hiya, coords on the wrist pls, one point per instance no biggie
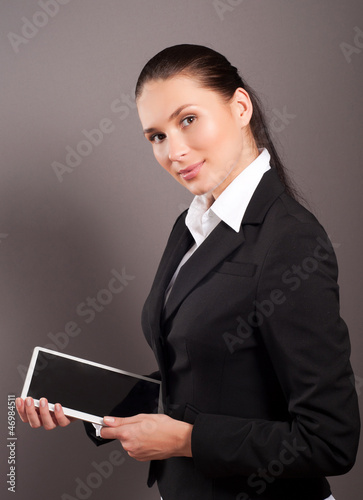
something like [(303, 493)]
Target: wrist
[(184, 440)]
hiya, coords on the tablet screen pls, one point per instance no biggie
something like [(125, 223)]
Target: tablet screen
[(89, 389)]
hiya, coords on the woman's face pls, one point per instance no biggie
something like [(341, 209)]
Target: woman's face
[(203, 141)]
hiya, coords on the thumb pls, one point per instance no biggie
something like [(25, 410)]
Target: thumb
[(113, 421)]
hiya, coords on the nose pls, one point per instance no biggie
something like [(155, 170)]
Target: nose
[(177, 148)]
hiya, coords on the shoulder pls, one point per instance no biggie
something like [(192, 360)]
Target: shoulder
[(295, 210), (283, 232), (285, 216), (270, 204), (296, 239)]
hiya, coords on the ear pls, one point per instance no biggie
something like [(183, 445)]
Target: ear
[(242, 106)]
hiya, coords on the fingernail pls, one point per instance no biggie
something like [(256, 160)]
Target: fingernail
[(108, 420), (42, 403), (28, 401), (18, 402), (57, 407)]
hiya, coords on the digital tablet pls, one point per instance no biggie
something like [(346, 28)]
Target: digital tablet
[(87, 390)]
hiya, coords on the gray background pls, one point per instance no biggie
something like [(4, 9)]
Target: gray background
[(59, 241)]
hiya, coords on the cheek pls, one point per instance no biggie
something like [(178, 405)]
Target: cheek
[(160, 156), (214, 135), (208, 136)]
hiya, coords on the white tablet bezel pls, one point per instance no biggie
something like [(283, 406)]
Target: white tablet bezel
[(71, 412)]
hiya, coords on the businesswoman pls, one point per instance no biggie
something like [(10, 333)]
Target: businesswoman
[(243, 315)]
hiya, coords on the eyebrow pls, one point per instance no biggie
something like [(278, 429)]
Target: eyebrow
[(171, 117)]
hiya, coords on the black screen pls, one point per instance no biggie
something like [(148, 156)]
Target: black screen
[(91, 389)]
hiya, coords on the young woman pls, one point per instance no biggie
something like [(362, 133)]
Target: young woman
[(243, 315)]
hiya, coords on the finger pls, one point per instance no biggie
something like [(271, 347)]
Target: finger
[(20, 406), (114, 421), (117, 421), (61, 419), (32, 414), (123, 433), (45, 415), (109, 433)]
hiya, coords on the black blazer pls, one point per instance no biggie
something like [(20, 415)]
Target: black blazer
[(253, 352)]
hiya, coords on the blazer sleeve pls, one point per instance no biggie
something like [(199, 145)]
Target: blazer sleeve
[(308, 345)]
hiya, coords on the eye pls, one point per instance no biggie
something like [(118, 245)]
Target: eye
[(188, 120), (156, 138)]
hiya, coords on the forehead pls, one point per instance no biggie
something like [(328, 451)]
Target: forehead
[(160, 98)]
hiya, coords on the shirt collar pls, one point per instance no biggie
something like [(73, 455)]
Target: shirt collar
[(231, 204)]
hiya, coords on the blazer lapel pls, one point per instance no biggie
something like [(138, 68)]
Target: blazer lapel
[(178, 244), (221, 242)]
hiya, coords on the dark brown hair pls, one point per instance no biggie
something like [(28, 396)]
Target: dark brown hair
[(213, 71)]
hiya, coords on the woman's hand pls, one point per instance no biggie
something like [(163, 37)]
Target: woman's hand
[(41, 417), (150, 437)]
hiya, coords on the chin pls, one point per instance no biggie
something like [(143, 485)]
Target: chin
[(200, 186), (198, 191)]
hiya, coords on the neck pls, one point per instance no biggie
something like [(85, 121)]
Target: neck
[(250, 154)]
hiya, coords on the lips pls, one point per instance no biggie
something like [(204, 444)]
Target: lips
[(191, 171)]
